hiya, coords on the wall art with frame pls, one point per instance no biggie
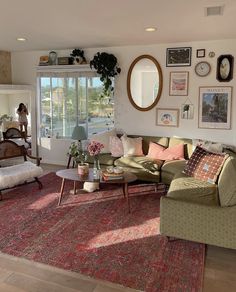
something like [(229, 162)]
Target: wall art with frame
[(178, 83), (200, 53), (224, 71), (167, 117), (187, 111), (215, 107), (178, 57)]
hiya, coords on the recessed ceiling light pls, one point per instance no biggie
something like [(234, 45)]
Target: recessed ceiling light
[(21, 39), (150, 29)]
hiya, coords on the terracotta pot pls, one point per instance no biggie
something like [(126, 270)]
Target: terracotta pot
[(83, 169)]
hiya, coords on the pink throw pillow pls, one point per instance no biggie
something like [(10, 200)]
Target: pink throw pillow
[(157, 151), (116, 146)]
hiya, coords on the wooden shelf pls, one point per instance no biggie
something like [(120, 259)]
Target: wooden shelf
[(64, 68)]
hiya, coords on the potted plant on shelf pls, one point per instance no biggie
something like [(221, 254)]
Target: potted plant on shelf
[(106, 65), (79, 156), (78, 56)]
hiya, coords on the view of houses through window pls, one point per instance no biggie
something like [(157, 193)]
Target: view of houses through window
[(70, 101)]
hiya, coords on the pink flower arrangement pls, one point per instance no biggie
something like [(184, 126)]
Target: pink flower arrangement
[(94, 148)]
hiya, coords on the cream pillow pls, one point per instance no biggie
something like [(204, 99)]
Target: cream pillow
[(132, 146), (104, 138), (208, 145)]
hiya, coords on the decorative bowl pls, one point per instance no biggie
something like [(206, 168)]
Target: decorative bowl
[(118, 170)]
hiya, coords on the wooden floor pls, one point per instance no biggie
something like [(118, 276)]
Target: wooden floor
[(18, 275)]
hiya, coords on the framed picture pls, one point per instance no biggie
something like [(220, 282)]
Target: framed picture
[(178, 83), (167, 117), (200, 53), (224, 71), (215, 107), (177, 57), (187, 111)]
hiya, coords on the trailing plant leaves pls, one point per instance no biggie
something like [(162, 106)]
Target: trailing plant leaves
[(106, 65)]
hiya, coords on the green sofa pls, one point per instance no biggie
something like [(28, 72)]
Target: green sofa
[(192, 209)]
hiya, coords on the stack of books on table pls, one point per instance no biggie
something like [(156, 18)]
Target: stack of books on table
[(112, 176)]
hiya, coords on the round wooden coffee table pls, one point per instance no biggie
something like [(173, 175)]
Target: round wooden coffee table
[(72, 174)]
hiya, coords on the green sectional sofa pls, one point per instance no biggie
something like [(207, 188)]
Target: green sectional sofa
[(192, 209)]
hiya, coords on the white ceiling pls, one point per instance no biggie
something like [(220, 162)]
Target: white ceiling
[(57, 24)]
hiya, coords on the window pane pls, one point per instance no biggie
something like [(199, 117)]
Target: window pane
[(100, 110), (45, 121), (67, 102)]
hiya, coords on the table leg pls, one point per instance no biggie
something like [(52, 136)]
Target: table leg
[(61, 192), (123, 187), (126, 192), (156, 186), (74, 190)]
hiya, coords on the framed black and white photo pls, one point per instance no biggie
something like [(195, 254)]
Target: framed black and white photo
[(200, 53), (224, 71), (215, 107), (178, 57)]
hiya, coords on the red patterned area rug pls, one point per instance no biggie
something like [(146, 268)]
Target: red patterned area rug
[(94, 234)]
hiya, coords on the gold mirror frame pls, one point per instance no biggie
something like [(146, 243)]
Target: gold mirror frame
[(160, 82)]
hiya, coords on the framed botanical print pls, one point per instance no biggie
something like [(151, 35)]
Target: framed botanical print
[(215, 107), (224, 71), (178, 83), (178, 57), (167, 117)]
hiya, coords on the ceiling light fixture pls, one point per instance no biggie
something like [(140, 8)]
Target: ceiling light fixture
[(21, 39), (150, 29)]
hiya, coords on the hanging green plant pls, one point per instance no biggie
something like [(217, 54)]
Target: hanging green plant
[(106, 65)]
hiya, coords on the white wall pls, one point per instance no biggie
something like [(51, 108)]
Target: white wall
[(4, 108), (126, 116)]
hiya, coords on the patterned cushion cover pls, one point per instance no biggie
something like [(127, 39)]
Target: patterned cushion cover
[(205, 165), (116, 146)]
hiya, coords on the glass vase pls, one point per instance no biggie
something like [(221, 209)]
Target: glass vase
[(96, 167)]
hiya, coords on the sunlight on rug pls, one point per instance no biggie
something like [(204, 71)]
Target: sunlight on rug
[(94, 234)]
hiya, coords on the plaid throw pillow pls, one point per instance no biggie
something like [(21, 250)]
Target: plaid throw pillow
[(205, 165)]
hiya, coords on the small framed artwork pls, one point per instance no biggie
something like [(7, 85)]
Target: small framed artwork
[(224, 71), (200, 53), (215, 107), (178, 83), (167, 117), (178, 57), (187, 111)]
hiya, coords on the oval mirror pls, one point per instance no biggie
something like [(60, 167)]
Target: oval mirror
[(144, 82)]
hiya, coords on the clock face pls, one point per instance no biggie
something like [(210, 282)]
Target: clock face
[(202, 69)]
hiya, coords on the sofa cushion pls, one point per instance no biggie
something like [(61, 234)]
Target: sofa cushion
[(208, 145), (170, 168), (188, 148), (164, 141), (104, 138), (205, 165), (145, 163), (132, 146), (227, 181), (190, 189), (116, 146), (157, 151)]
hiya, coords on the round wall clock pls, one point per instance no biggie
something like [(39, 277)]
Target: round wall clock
[(202, 69)]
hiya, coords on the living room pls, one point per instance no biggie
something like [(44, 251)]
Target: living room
[(207, 39)]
